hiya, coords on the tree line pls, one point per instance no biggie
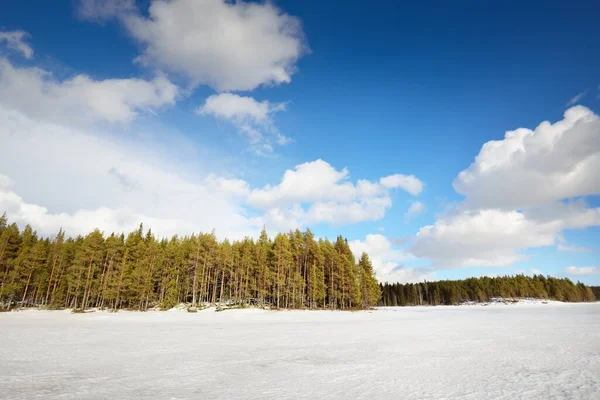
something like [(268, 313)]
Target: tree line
[(484, 289), (596, 291), (140, 271)]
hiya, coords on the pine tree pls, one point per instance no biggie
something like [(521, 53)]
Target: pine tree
[(370, 291), (484, 289), (140, 271), (169, 286), (315, 272), (282, 261), (10, 245), (265, 278)]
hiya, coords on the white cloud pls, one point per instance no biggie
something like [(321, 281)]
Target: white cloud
[(236, 187), (532, 167), (481, 238), (83, 221), (15, 40), (388, 261), (570, 214), (575, 99), (61, 164), (416, 208), (283, 219), (577, 271), (495, 238), (78, 179), (239, 109), (311, 181), (299, 216), (574, 249), (370, 208), (320, 193), (517, 195), (410, 183), (316, 181), (251, 117), (102, 10), (37, 93), (229, 46)]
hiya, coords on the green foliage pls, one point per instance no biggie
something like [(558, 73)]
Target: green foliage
[(483, 289), (139, 271), (370, 291), (596, 292)]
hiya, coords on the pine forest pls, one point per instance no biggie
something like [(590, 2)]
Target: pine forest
[(139, 271), (486, 289)]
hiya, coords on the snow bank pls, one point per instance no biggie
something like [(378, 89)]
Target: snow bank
[(526, 351)]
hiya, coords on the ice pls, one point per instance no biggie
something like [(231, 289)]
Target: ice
[(523, 351)]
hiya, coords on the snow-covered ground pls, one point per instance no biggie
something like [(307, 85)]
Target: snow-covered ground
[(523, 351)]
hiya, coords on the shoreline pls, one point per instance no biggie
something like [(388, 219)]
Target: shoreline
[(182, 309)]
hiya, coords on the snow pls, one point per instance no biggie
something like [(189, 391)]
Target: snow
[(526, 351)]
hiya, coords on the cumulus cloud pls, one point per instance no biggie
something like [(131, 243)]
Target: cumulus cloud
[(388, 261), (532, 167), (35, 92), (15, 40), (366, 209), (229, 46), (410, 183), (320, 193), (251, 117), (517, 195), (578, 271), (416, 208), (312, 181), (481, 238), (495, 238), (315, 212), (239, 109)]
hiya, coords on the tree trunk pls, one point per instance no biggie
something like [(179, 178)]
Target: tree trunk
[(222, 280), (26, 287), (194, 286), (57, 281), (50, 279), (118, 296), (87, 283)]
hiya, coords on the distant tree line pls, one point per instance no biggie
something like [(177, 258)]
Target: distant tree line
[(596, 291), (139, 271), (483, 289)]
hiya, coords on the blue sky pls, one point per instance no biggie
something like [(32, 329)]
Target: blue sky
[(176, 113)]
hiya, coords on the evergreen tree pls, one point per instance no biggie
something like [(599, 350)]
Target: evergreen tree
[(484, 289), (139, 271), (370, 291), (282, 262)]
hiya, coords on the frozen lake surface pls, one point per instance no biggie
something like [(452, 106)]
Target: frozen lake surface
[(525, 351)]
